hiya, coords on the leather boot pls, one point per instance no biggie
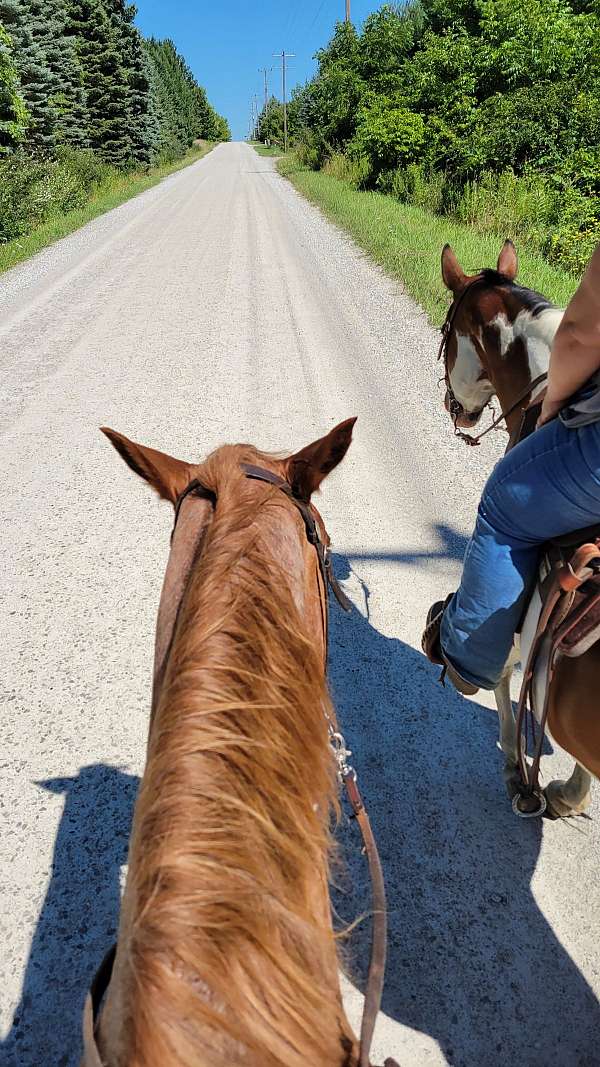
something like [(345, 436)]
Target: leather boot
[(430, 643)]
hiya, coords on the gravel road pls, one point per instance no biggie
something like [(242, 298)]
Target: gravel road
[(220, 306)]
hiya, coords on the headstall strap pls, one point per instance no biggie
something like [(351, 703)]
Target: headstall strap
[(261, 474)]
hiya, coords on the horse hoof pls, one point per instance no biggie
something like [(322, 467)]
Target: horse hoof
[(558, 807), (530, 806)]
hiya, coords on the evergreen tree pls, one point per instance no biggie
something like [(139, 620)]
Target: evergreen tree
[(182, 104), (35, 76), (13, 113), (141, 121), (81, 75), (68, 98), (99, 52)]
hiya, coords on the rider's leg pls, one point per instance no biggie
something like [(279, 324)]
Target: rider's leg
[(547, 486)]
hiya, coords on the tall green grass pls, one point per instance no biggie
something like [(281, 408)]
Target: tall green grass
[(57, 200), (407, 240)]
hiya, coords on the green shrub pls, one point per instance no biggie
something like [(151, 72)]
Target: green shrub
[(413, 185), (524, 206), (35, 190), (311, 150), (354, 171), (550, 214), (572, 249), (387, 136)]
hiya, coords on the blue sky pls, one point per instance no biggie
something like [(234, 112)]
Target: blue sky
[(225, 44)]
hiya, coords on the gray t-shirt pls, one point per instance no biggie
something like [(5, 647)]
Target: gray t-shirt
[(584, 407)]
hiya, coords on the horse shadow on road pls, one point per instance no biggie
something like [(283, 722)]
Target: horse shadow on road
[(78, 919), (473, 963)]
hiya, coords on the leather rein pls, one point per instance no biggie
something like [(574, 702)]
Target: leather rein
[(456, 408), (346, 774)]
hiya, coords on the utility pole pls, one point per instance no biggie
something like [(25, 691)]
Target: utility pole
[(283, 56), (265, 71), (347, 10), (255, 103), (252, 136)]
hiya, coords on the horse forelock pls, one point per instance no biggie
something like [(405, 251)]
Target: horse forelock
[(232, 957)]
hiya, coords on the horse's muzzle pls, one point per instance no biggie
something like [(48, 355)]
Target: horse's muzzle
[(460, 417)]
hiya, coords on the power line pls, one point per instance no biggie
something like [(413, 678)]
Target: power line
[(316, 16)]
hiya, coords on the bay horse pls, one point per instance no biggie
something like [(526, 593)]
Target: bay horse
[(497, 341), (226, 952)]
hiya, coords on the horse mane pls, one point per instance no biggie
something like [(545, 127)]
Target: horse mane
[(533, 301), (232, 956)]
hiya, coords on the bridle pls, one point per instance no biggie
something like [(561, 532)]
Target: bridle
[(455, 407), (315, 530)]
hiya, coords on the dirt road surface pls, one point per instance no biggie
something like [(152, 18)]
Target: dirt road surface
[(220, 306)]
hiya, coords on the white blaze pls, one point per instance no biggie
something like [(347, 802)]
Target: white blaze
[(472, 391)]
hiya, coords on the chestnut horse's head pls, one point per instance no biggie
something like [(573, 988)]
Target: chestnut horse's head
[(226, 950), (497, 336)]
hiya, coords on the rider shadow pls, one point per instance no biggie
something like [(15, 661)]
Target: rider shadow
[(473, 963), (452, 545), (78, 919)]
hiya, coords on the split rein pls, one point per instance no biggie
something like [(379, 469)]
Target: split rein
[(455, 406), (347, 777)]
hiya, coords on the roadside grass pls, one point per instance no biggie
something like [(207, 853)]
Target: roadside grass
[(265, 150), (108, 195), (407, 241)]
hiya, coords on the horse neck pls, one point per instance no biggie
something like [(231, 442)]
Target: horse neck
[(226, 941), (521, 353)]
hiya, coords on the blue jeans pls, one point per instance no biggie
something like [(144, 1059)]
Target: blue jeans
[(547, 486)]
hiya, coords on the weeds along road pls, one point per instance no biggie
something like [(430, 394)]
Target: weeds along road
[(220, 306)]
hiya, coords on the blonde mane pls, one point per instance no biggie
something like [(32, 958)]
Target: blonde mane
[(232, 958)]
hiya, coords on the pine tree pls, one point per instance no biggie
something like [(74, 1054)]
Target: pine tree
[(68, 98), (182, 104), (35, 76), (154, 116), (13, 113), (172, 142), (140, 118), (98, 50)]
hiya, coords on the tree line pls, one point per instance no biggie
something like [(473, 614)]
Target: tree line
[(488, 110), (77, 74)]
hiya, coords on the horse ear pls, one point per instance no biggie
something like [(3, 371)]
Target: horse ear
[(306, 469), (508, 263), (453, 275), (168, 476)]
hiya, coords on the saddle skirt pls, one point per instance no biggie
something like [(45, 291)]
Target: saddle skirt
[(568, 594)]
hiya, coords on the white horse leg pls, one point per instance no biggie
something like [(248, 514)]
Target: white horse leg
[(509, 742), (571, 797)]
